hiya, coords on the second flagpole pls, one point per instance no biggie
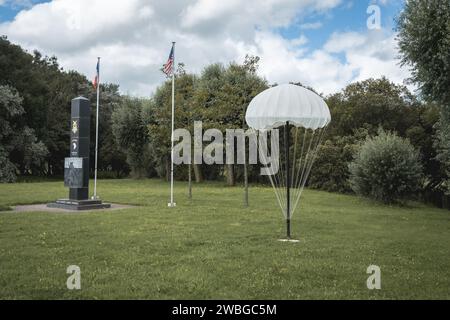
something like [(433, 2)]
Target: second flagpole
[(172, 204), (95, 197)]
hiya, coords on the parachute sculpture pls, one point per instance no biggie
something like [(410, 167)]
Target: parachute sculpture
[(304, 116)]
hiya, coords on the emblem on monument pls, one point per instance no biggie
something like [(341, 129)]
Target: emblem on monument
[(74, 127), (74, 145)]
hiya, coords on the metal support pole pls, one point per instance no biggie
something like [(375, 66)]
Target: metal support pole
[(96, 134), (172, 204), (288, 181)]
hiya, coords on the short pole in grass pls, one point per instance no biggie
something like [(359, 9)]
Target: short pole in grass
[(288, 181), (288, 186)]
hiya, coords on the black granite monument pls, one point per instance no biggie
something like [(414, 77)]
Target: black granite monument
[(76, 168)]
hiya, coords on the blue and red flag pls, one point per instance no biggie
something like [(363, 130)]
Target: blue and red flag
[(97, 76)]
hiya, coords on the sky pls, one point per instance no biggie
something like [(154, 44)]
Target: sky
[(325, 44)]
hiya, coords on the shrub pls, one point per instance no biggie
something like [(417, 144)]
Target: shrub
[(330, 171), (386, 168), (7, 168)]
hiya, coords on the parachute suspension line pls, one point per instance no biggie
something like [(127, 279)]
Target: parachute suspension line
[(315, 153), (281, 172), (273, 179), (289, 182), (279, 180), (305, 162), (299, 166), (295, 156)]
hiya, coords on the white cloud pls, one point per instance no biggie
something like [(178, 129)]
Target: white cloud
[(133, 38), (340, 42), (311, 26), (372, 54)]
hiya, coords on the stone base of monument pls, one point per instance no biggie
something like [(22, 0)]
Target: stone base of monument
[(79, 205)]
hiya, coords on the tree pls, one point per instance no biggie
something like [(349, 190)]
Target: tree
[(206, 96), (222, 96), (360, 110), (370, 104), (159, 127), (241, 85), (424, 42), (331, 167), (20, 152), (111, 157), (46, 91), (129, 126), (421, 134), (386, 168)]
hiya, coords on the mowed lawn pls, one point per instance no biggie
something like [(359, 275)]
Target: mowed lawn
[(214, 248)]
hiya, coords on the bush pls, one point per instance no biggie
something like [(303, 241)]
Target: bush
[(7, 168), (386, 168), (330, 171)]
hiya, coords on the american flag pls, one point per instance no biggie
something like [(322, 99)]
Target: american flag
[(168, 67)]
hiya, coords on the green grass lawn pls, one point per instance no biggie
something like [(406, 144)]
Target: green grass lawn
[(214, 248)]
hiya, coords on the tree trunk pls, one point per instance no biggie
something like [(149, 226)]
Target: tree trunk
[(190, 181), (167, 170), (230, 175), (245, 185), (198, 173)]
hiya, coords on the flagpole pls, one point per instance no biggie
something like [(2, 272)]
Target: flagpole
[(172, 204), (96, 131)]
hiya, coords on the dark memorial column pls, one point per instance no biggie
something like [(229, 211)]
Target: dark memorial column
[(79, 148), (76, 168)]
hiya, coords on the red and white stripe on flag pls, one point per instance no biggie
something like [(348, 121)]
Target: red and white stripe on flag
[(168, 67)]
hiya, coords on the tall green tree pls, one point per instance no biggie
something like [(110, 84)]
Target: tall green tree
[(129, 126), (20, 151), (223, 95), (370, 104), (159, 128), (424, 42)]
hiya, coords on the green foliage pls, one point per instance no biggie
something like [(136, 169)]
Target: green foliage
[(159, 124), (386, 168), (361, 109), (370, 104), (112, 160), (130, 132), (442, 143), (46, 91), (424, 42), (221, 99), (19, 149), (7, 168), (422, 135), (218, 98), (331, 172)]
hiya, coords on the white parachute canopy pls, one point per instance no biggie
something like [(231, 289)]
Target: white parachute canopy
[(304, 116), (287, 103)]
